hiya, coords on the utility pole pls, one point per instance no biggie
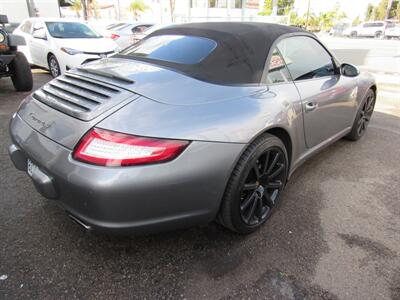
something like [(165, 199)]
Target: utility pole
[(32, 11), (119, 10), (308, 13)]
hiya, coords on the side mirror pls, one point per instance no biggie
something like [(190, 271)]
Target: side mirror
[(349, 70), (39, 33)]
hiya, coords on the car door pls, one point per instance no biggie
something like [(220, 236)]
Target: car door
[(328, 99), (39, 44)]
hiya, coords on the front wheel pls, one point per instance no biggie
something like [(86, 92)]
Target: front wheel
[(54, 67), (255, 185), (363, 117), (21, 74)]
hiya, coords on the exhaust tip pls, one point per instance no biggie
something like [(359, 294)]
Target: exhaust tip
[(79, 222)]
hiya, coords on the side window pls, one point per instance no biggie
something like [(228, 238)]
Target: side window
[(38, 25), (277, 71), (306, 58), (26, 27)]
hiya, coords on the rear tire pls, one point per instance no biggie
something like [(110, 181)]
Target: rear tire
[(21, 73), (255, 185), (353, 34), (363, 117)]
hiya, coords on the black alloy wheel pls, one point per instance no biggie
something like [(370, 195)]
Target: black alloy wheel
[(363, 117), (262, 187), (255, 185), (365, 114)]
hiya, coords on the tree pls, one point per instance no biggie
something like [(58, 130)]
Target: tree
[(137, 7), (386, 9), (370, 12), (284, 6), (398, 10), (76, 6), (356, 21), (380, 10)]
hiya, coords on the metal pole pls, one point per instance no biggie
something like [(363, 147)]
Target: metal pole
[(119, 11), (31, 8), (308, 14)]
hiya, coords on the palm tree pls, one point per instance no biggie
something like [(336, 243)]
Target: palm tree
[(136, 7), (76, 6)]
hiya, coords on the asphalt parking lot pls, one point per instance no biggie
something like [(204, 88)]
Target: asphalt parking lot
[(335, 236)]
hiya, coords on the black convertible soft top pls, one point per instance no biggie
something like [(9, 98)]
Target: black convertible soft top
[(240, 54)]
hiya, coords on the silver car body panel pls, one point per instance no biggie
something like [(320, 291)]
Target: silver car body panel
[(220, 121)]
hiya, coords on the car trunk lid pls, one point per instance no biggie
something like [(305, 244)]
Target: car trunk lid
[(65, 108)]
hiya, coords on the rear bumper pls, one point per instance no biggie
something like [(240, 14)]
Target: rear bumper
[(141, 199)]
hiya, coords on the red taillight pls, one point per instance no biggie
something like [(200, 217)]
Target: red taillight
[(108, 148), (114, 36)]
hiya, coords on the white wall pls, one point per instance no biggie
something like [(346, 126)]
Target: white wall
[(17, 10)]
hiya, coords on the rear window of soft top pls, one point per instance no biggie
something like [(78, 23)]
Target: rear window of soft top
[(179, 49)]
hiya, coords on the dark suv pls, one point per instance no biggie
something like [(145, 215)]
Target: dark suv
[(12, 62)]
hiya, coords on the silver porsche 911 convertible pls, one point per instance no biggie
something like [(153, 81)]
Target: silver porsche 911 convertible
[(196, 122)]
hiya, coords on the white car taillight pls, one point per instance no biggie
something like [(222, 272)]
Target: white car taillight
[(108, 148)]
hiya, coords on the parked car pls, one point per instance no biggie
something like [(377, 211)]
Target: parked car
[(393, 32), (122, 35), (139, 35), (196, 122), (59, 44), (12, 62), (374, 29), (339, 28)]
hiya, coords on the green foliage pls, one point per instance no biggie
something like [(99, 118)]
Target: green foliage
[(284, 6), (76, 6), (136, 7), (356, 21), (379, 12), (370, 12), (323, 21)]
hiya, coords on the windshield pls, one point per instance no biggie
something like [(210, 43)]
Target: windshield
[(71, 30), (173, 48)]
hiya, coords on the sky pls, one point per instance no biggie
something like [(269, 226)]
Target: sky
[(352, 8)]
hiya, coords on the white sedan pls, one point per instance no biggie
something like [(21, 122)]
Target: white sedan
[(59, 44), (123, 34)]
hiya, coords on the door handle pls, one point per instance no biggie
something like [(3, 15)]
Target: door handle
[(310, 106)]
